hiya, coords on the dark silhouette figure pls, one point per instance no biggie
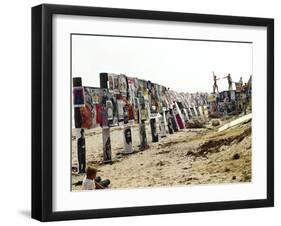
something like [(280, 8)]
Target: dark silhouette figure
[(81, 153)]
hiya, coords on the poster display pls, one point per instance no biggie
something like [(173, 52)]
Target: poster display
[(154, 132), (142, 135), (120, 107), (162, 125), (78, 96), (127, 138), (106, 145), (123, 85)]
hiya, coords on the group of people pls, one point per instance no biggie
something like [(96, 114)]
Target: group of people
[(229, 80)]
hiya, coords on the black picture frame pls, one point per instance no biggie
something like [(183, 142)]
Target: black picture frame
[(42, 111)]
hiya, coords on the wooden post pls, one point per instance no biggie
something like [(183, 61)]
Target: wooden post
[(106, 121), (78, 101)]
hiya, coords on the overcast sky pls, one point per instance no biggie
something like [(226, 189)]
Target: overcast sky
[(182, 65)]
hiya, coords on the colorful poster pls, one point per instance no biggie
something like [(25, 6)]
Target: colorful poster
[(109, 110), (78, 96), (86, 116), (116, 84), (123, 85), (110, 84), (177, 116), (131, 90), (98, 114), (106, 145), (92, 96)]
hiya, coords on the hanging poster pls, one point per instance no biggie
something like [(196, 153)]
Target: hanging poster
[(123, 85), (154, 132), (126, 114), (109, 109), (92, 96), (110, 84), (143, 138), (127, 138), (120, 109), (99, 108), (177, 116), (116, 84), (162, 126), (131, 90), (86, 116), (169, 121), (78, 96), (104, 116)]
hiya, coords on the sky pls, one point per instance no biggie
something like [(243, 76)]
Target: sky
[(181, 65)]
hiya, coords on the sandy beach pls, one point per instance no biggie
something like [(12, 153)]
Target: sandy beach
[(190, 156)]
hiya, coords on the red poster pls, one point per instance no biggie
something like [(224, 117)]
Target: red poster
[(99, 113)]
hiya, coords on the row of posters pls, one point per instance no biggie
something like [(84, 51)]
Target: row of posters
[(128, 98)]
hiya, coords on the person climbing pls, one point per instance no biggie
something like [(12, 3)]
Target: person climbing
[(215, 86), (229, 80)]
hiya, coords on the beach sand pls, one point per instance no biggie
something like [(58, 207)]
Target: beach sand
[(190, 156)]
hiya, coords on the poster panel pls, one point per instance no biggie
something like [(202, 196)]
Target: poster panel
[(106, 145)]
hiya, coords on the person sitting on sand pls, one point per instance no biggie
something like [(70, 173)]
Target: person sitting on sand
[(91, 181)]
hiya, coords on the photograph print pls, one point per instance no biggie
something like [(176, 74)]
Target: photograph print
[(160, 112)]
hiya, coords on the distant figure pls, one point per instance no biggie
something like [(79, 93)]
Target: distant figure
[(91, 181), (229, 80), (81, 153), (241, 81), (215, 86)]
